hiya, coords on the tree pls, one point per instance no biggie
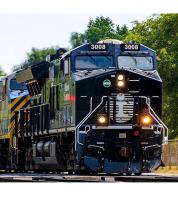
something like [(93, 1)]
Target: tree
[(37, 55), (160, 33), (99, 29), (77, 39), (2, 73), (121, 32)]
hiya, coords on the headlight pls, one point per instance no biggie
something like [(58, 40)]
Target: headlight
[(120, 77), (102, 120), (146, 120), (121, 83)]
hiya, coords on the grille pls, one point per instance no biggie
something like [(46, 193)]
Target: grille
[(120, 107)]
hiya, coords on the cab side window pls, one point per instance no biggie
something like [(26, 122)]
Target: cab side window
[(67, 67)]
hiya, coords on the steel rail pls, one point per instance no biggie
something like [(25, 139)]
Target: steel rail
[(33, 177)]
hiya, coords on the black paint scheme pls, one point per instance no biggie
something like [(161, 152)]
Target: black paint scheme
[(61, 131)]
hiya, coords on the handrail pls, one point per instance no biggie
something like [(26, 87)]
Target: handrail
[(157, 119), (84, 120)]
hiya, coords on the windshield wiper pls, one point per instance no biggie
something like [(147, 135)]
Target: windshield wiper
[(134, 59), (148, 59), (92, 59), (109, 58)]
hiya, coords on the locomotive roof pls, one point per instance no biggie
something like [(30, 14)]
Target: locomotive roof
[(9, 76), (86, 47)]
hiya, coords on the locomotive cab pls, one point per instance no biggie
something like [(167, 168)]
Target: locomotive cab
[(13, 96)]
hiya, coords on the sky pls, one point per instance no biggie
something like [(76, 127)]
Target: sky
[(44, 23), (20, 32)]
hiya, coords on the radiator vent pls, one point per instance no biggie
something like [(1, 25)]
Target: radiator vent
[(120, 107)]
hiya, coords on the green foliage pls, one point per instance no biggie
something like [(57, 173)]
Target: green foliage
[(37, 55), (76, 39), (121, 32), (99, 29), (2, 73), (161, 33)]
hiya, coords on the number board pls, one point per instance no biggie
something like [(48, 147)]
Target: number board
[(98, 47), (130, 47)]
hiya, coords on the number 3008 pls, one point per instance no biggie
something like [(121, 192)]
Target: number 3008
[(98, 46), (131, 47)]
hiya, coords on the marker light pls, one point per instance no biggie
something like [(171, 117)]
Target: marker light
[(146, 120), (120, 77), (120, 83), (136, 133)]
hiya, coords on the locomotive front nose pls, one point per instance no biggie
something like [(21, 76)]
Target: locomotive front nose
[(121, 82)]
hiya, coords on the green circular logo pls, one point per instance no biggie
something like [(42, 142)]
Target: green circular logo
[(106, 83)]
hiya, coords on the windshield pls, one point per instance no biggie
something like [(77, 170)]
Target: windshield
[(135, 62), (93, 62), (17, 86)]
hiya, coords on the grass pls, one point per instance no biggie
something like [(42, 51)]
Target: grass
[(168, 169)]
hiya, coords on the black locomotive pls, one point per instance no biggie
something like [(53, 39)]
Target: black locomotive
[(96, 108)]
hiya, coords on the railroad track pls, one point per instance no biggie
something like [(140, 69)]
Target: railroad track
[(35, 177)]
